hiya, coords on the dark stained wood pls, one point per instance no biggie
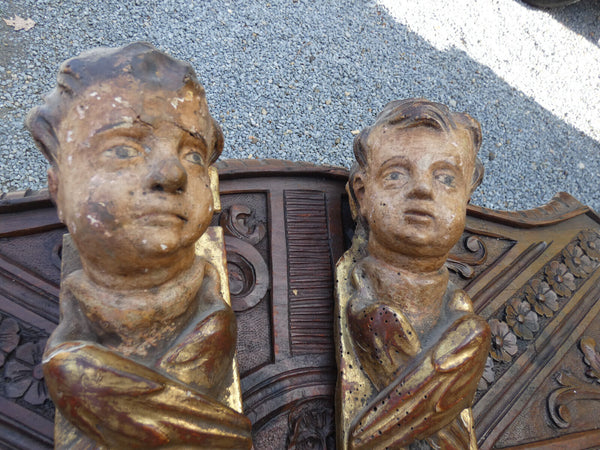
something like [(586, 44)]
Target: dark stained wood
[(286, 224)]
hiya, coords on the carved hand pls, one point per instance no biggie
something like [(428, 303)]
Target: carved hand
[(203, 357), (384, 338)]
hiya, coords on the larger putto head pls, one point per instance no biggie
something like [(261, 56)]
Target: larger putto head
[(129, 137)]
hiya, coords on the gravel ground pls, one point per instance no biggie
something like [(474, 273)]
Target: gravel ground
[(295, 79)]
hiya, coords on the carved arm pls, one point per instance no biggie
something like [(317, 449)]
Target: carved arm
[(429, 393)]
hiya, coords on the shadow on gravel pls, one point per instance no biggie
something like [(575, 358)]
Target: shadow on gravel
[(292, 80), (582, 17)]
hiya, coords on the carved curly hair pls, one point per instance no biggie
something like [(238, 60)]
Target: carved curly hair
[(141, 61)]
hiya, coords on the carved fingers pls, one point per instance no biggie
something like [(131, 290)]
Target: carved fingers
[(385, 340), (400, 413), (409, 410)]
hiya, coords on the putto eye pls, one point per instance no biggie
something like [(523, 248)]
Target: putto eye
[(122, 152), (395, 175), (195, 158), (446, 179)]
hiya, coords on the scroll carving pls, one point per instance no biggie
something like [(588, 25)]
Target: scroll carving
[(248, 274), (239, 222), (575, 389), (475, 254), (248, 271)]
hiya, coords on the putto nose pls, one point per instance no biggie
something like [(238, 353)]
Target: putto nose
[(421, 189), (169, 176)]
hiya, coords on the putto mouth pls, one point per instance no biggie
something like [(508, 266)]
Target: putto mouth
[(418, 213), (162, 216)]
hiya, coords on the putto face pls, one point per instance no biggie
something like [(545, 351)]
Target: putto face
[(132, 178), (416, 189)]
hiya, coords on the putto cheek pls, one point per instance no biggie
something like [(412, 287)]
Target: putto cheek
[(93, 221), (99, 214)]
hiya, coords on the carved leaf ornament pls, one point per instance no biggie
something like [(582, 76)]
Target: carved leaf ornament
[(573, 388), (9, 337), (591, 357)]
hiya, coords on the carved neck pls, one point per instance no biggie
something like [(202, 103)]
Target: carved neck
[(416, 264), (142, 318), (420, 296), (156, 272)]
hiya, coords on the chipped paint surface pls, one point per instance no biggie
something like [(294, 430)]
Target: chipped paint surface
[(95, 222), (175, 101)]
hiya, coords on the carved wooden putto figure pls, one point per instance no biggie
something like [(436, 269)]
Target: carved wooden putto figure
[(410, 349), (144, 352)]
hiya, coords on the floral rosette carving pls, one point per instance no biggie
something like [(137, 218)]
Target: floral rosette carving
[(23, 374), (590, 244), (541, 298), (22, 365), (504, 342), (522, 320), (560, 279), (578, 263)]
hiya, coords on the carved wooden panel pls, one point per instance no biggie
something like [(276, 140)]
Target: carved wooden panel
[(30, 236), (539, 303), (534, 275), (289, 399)]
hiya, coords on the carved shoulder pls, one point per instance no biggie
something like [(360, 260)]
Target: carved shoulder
[(460, 301), (73, 325), (203, 355)]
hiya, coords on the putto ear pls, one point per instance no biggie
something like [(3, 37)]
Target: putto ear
[(214, 188), (53, 182), (477, 175), (352, 202), (358, 188)]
